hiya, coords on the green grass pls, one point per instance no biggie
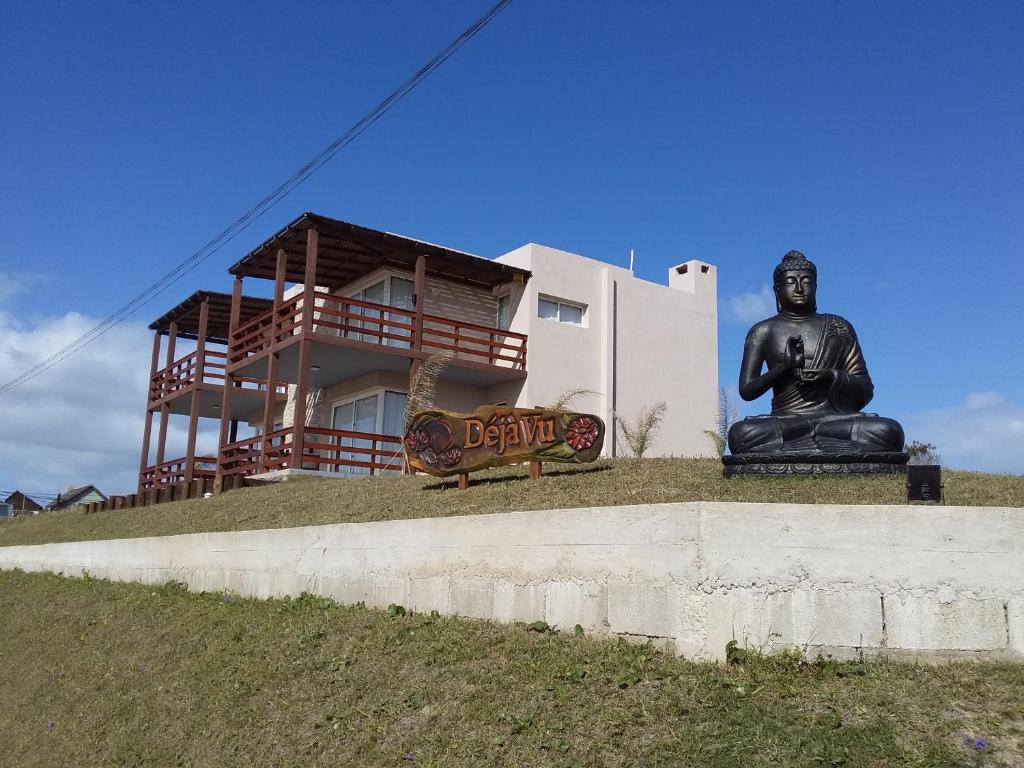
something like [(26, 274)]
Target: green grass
[(101, 674), (316, 501)]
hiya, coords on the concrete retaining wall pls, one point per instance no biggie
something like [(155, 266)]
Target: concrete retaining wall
[(928, 581)]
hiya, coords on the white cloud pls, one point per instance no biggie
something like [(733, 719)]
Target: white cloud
[(984, 433), (8, 286), (12, 283), (81, 421), (751, 306)]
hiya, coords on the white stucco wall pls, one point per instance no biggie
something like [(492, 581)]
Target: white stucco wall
[(640, 343), (931, 582)]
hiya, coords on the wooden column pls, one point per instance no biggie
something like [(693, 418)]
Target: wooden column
[(419, 288), (418, 293), (148, 429), (229, 384), (193, 408), (165, 410), (268, 407), (305, 341)]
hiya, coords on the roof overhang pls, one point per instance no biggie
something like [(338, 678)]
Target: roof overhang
[(347, 251), (186, 315)]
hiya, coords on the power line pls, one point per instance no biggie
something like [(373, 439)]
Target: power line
[(257, 211), (33, 494)]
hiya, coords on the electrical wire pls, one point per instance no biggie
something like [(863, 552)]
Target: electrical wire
[(257, 211), (30, 494)]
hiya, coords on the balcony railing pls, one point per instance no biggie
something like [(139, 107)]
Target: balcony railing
[(173, 472), (182, 374), (335, 450), (372, 323), (244, 456)]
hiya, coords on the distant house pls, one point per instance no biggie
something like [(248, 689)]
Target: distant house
[(22, 504), (76, 497)]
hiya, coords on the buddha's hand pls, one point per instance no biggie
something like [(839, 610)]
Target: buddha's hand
[(795, 353), (816, 375)]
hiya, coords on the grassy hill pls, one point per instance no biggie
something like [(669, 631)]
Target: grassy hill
[(102, 674), (316, 501)]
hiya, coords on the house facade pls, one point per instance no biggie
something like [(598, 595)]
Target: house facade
[(634, 343), (520, 329), (79, 496), (22, 504)]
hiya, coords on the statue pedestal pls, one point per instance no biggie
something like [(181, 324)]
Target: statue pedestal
[(814, 463)]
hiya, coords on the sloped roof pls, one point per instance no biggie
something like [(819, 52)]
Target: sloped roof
[(22, 503), (73, 495), (348, 251), (186, 315)]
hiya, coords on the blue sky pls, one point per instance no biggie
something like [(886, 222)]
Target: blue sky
[(882, 139)]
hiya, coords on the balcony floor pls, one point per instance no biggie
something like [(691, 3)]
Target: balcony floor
[(339, 358), (244, 402)]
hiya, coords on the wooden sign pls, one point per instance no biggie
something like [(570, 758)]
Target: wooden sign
[(442, 444)]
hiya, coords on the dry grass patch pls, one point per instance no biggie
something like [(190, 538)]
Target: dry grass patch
[(318, 501), (104, 674)]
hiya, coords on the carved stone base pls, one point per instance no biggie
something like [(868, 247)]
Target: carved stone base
[(815, 463)]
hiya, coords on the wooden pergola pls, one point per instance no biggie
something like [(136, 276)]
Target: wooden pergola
[(206, 318), (335, 253), (314, 251)]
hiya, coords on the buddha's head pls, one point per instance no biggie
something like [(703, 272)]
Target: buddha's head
[(796, 284)]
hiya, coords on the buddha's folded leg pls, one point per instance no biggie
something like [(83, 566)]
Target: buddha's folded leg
[(865, 432), (768, 434)]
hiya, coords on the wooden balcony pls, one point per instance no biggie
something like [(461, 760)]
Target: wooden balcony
[(180, 376), (172, 472), (351, 336), (173, 384), (335, 450)]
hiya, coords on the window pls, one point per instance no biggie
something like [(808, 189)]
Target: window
[(504, 319), (561, 311)]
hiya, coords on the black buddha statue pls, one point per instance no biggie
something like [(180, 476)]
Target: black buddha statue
[(820, 383)]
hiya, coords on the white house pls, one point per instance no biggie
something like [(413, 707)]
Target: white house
[(596, 326)]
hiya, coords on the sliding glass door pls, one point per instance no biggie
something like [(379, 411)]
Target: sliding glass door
[(400, 296), (391, 292), (380, 413)]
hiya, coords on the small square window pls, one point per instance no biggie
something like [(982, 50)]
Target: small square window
[(560, 311), (547, 309), (567, 313)]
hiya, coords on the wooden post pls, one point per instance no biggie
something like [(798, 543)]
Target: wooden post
[(280, 271), (165, 410), (229, 384), (305, 341), (418, 293), (193, 408), (418, 290), (463, 481), (147, 431), (272, 359), (536, 469)]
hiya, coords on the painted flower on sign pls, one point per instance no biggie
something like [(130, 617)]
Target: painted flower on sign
[(417, 440), (581, 433), (451, 457)]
